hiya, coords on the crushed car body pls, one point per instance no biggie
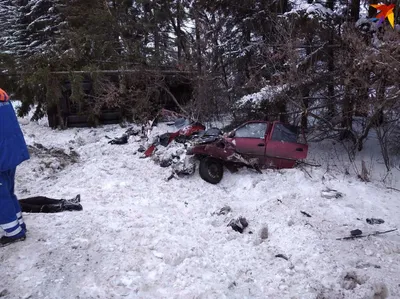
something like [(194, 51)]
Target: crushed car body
[(187, 129), (254, 144)]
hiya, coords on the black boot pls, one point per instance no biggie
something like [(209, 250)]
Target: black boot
[(70, 206), (4, 241), (77, 199)]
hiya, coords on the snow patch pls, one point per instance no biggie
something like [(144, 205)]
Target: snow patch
[(267, 93)]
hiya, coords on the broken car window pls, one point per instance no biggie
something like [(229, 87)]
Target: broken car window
[(284, 133), (252, 130)]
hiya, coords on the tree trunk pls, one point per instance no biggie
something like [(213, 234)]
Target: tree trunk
[(305, 94), (331, 65), (198, 39), (347, 112), (178, 27), (156, 40), (283, 117), (305, 91), (146, 10), (372, 11), (362, 95), (282, 8), (355, 10), (380, 98)]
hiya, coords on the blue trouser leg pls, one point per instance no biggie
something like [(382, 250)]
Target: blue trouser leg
[(15, 199), (8, 213)]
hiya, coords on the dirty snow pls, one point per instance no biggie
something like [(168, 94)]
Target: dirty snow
[(140, 236)]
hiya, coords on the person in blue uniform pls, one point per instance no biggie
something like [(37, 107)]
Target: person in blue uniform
[(13, 151)]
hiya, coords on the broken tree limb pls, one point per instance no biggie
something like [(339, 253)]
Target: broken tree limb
[(304, 170), (174, 99), (306, 61), (391, 188), (307, 163), (363, 236)]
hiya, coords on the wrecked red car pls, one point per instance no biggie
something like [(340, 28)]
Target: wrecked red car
[(254, 144), (188, 128)]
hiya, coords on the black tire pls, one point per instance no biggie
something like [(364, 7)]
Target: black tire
[(211, 170)]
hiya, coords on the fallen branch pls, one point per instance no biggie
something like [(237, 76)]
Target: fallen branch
[(309, 164), (363, 236), (301, 66), (306, 214), (391, 188), (173, 99), (282, 256), (304, 170)]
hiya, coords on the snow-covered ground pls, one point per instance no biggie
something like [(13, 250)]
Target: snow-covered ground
[(140, 236)]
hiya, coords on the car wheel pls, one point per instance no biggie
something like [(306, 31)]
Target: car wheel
[(211, 170)]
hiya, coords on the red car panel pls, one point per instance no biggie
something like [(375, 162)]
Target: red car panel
[(269, 144), (250, 140)]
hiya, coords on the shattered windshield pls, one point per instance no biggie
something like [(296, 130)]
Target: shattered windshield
[(252, 130)]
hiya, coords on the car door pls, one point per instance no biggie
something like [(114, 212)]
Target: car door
[(249, 140), (283, 149)]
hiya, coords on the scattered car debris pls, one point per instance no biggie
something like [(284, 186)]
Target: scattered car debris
[(189, 129), (373, 221), (351, 280), (141, 149), (282, 256), (264, 233), (175, 158), (238, 224), (232, 285), (305, 214), (269, 145), (331, 193), (134, 131), (356, 232), (165, 163), (124, 138), (223, 211), (119, 140), (363, 236), (4, 292)]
